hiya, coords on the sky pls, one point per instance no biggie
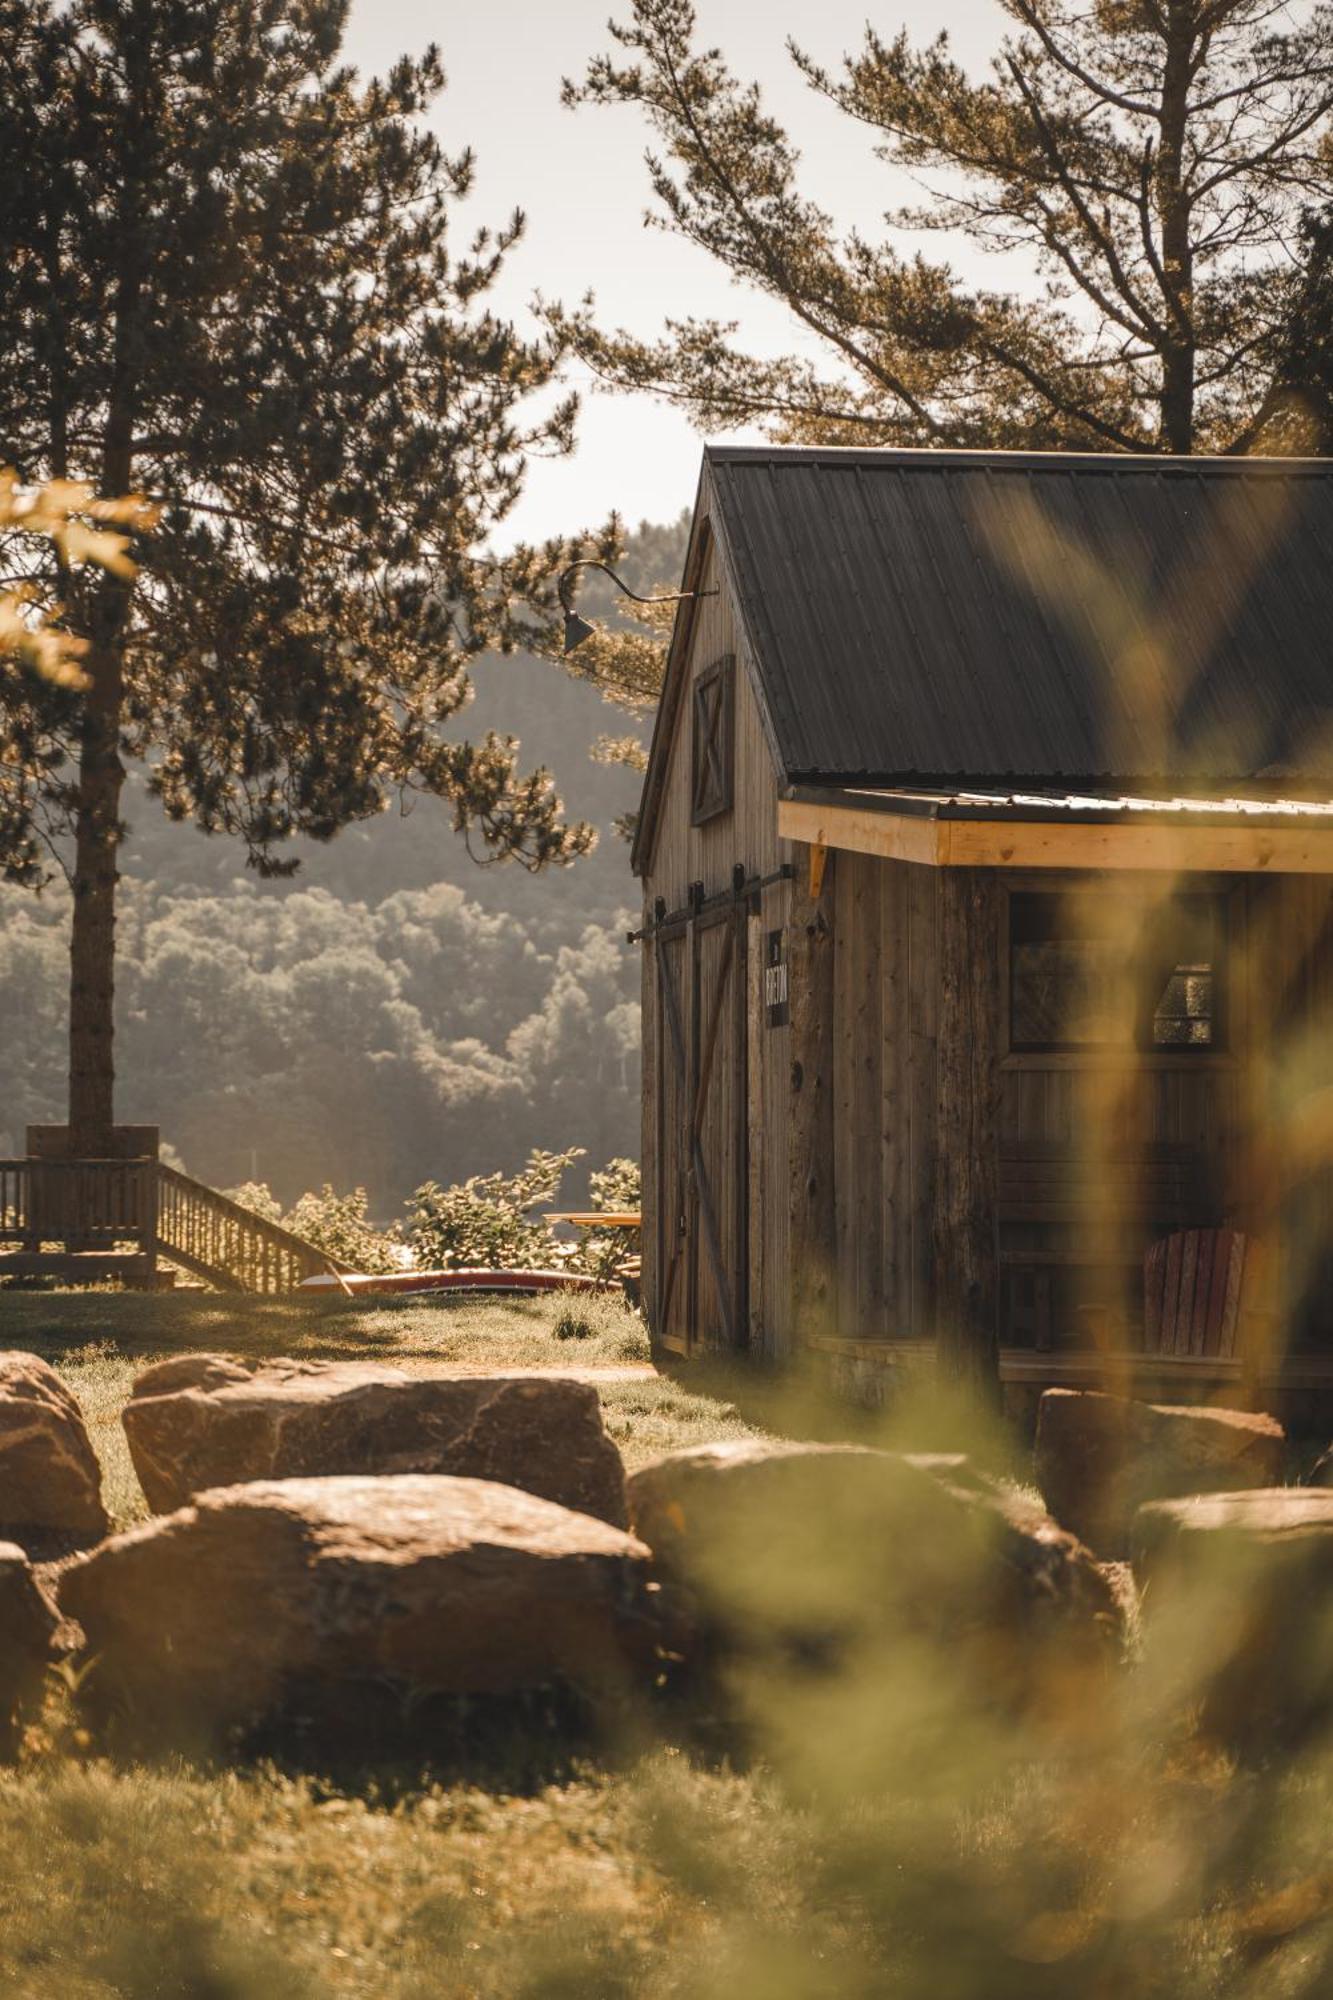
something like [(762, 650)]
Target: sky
[(579, 177)]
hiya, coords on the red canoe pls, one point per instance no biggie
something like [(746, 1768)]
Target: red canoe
[(524, 1283)]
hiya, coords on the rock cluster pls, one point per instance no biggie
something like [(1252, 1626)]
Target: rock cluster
[(297, 1595), (28, 1626), (200, 1421), (329, 1535), (1098, 1458), (50, 1482), (1248, 1578), (787, 1544)]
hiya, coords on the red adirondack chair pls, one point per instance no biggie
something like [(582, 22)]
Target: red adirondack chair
[(1204, 1296)]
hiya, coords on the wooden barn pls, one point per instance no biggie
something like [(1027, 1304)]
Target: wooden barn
[(987, 859)]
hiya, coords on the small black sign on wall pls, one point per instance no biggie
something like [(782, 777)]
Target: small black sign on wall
[(776, 1014)]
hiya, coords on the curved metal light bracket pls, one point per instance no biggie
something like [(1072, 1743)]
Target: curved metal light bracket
[(578, 629)]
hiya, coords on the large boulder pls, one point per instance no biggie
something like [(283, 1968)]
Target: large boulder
[(284, 1599), (1099, 1458), (28, 1627), (200, 1421), (831, 1548), (191, 1371), (50, 1481), (1238, 1597)]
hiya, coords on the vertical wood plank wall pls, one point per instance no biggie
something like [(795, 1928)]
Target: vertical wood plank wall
[(749, 832), (885, 928), (967, 1154), (772, 1332), (683, 854), (887, 1001), (809, 1116)]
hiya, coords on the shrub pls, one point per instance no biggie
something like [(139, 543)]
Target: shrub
[(618, 1185), (488, 1220), (335, 1223), (615, 1187), (338, 1223), (258, 1197)]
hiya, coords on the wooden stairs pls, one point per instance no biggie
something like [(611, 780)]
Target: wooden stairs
[(88, 1219)]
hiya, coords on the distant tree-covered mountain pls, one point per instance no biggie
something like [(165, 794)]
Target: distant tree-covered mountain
[(392, 1013)]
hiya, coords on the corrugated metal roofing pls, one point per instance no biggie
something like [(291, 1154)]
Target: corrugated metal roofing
[(1051, 805), (1015, 618)]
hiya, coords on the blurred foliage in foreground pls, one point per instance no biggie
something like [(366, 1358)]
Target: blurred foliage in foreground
[(870, 1817)]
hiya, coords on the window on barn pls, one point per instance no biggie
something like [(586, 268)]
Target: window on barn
[(711, 767), (1087, 971)]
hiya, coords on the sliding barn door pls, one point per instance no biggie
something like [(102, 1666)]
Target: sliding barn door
[(700, 1015)]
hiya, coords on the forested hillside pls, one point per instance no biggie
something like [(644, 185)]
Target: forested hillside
[(392, 1013)]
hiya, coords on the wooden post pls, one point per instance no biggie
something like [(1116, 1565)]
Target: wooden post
[(693, 977), (966, 1181), (149, 1239), (757, 1232), (812, 1240)]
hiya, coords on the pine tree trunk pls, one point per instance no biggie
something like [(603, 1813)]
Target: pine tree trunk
[(92, 947), (92, 950)]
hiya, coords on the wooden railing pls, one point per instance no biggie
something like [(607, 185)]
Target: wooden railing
[(145, 1210), (229, 1245), (85, 1204), (14, 1186)]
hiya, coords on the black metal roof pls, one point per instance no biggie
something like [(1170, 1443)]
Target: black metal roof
[(1066, 808), (923, 617)]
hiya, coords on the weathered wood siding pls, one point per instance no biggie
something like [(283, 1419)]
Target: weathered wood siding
[(1046, 1100), (754, 1071), (1101, 1153), (966, 1151), (650, 1069), (749, 832), (922, 1132), (804, 1101), (885, 1010)]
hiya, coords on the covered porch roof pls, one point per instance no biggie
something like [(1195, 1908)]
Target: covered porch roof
[(1054, 828)]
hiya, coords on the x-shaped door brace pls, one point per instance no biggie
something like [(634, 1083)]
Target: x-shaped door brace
[(700, 1185)]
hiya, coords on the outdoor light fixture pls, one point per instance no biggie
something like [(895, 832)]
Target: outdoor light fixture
[(578, 629)]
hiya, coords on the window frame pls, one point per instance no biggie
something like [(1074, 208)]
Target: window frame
[(705, 805), (1224, 1052)]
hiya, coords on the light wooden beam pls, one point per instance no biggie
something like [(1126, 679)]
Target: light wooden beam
[(1228, 849), (893, 836)]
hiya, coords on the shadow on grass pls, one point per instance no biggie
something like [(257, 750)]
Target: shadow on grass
[(389, 1749), (367, 1740), (512, 1332)]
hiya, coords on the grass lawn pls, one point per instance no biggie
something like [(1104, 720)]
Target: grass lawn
[(256, 1883), (100, 1339), (884, 1832)]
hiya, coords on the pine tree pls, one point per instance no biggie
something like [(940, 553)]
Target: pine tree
[(1164, 168), (228, 281)]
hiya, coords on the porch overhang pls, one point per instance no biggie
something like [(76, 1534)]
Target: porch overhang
[(1082, 831)]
